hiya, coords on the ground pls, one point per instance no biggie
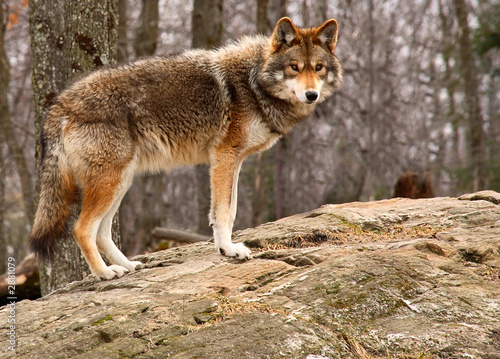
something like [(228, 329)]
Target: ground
[(397, 278)]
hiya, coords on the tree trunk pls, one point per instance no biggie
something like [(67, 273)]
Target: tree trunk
[(203, 194), (278, 8), (17, 152), (473, 109), (258, 200), (145, 42), (122, 46), (207, 23), (207, 26), (368, 114), (447, 47), (281, 145), (67, 39), (8, 135), (322, 14), (262, 13), (178, 235), (494, 132)]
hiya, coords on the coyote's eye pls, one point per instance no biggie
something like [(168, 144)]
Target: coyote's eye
[(319, 67), (294, 67)]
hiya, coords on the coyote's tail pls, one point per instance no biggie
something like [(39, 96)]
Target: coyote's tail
[(57, 195)]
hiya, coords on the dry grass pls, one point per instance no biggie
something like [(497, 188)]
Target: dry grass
[(491, 274), (353, 233), (229, 307)]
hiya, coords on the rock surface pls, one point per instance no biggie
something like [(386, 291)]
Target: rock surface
[(397, 278)]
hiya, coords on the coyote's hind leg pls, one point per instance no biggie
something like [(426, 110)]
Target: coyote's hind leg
[(104, 239), (99, 197)]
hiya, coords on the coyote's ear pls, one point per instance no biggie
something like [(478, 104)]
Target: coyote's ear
[(285, 33), (327, 34)]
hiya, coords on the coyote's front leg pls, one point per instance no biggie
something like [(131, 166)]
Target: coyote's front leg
[(224, 177)]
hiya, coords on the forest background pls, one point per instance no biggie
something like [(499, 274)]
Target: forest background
[(420, 94)]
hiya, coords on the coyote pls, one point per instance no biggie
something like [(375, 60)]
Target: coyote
[(157, 113)]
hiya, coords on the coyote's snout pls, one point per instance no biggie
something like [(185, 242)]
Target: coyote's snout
[(213, 107)]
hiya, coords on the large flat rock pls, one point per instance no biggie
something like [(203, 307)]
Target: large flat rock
[(396, 278)]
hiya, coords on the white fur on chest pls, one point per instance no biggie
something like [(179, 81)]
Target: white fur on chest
[(259, 138)]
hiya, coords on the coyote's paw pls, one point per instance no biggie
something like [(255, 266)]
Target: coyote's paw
[(237, 250), (113, 271), (133, 265), (137, 264)]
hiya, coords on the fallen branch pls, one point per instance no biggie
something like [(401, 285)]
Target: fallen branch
[(178, 235)]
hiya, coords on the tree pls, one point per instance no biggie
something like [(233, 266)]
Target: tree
[(472, 104), (67, 39), (207, 26), (486, 43), (122, 50), (7, 133), (207, 23), (262, 24), (145, 42)]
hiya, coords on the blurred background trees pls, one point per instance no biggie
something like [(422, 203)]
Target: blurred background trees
[(420, 95)]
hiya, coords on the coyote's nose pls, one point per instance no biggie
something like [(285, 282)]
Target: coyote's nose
[(311, 96)]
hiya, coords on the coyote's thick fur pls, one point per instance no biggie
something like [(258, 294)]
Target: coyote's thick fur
[(153, 114)]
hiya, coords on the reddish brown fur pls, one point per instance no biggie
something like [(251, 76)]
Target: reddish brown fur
[(226, 158), (98, 196)]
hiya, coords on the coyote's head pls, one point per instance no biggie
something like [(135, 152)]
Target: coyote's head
[(300, 65)]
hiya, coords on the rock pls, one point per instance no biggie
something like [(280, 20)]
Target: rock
[(491, 196), (203, 318), (398, 278)]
